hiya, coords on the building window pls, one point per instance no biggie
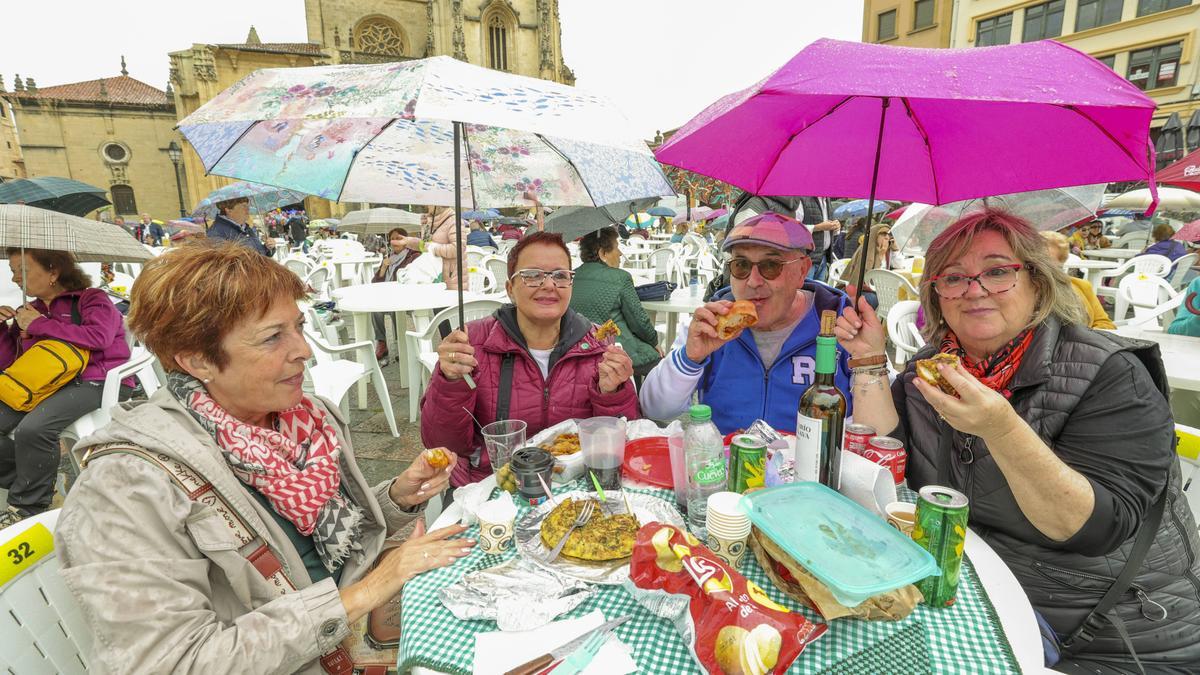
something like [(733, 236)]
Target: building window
[(1154, 6), (115, 153), (996, 30), (123, 201), (1155, 67), (1110, 60), (378, 35), (922, 14), (1095, 13), (497, 43), (1043, 21), (886, 25)]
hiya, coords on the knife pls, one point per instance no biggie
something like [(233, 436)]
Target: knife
[(536, 665)]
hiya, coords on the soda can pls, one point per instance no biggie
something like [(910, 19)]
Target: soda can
[(856, 438), (941, 529), (888, 452), (747, 462)]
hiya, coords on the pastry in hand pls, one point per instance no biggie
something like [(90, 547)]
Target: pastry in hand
[(608, 332), (437, 458), (927, 369), (741, 315)]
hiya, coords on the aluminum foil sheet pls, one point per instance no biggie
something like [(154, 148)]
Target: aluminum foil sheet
[(528, 528), (516, 594)]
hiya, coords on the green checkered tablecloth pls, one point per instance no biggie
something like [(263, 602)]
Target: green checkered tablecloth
[(964, 638)]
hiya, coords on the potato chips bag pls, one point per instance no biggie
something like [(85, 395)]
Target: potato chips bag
[(730, 623)]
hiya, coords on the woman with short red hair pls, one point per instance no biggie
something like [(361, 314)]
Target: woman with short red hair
[(223, 525), (559, 369)]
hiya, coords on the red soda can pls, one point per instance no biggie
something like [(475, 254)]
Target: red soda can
[(857, 437), (888, 452)]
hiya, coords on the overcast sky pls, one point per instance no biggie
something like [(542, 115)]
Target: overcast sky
[(662, 61)]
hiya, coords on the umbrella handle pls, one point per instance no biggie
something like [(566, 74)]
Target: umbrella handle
[(862, 269)]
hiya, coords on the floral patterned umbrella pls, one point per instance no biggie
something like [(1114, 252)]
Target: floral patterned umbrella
[(410, 132), (385, 133)]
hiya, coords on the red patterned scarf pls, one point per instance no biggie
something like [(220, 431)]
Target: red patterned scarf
[(295, 466), (997, 370)]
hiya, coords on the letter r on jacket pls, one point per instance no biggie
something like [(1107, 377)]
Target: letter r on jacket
[(803, 368)]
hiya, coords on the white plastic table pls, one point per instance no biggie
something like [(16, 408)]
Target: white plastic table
[(400, 298), (681, 302), (1180, 355), (1092, 268), (1120, 254)]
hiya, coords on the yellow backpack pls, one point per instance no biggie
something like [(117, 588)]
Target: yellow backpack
[(42, 370)]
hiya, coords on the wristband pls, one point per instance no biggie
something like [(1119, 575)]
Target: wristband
[(876, 360)]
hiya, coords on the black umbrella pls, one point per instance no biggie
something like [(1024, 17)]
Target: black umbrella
[(573, 222), (54, 194)]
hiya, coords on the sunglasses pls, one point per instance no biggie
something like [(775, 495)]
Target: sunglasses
[(534, 278), (768, 268)]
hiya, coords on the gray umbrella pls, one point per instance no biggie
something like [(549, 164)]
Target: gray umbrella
[(573, 222)]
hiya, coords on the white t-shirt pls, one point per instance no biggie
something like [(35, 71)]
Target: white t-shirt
[(542, 356)]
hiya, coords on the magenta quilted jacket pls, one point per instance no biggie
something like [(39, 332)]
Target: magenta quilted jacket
[(571, 391)]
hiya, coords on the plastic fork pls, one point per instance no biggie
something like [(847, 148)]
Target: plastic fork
[(585, 514), (580, 658)]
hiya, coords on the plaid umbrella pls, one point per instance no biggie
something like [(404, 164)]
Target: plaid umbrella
[(91, 241), (56, 194)]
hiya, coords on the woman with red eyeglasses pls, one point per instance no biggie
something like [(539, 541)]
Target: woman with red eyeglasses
[(1061, 438), (558, 369)]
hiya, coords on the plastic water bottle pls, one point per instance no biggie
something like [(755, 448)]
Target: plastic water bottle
[(704, 456), (694, 283)]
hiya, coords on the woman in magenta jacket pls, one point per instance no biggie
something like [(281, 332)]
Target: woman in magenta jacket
[(29, 459), (559, 369)]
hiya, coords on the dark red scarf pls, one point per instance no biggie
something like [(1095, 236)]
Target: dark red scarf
[(997, 370)]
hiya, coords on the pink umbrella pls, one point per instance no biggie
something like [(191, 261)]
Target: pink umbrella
[(1189, 232), (963, 123)]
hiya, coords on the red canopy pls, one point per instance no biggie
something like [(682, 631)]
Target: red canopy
[(1185, 173)]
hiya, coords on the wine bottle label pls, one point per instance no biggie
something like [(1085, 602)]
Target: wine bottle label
[(808, 447)]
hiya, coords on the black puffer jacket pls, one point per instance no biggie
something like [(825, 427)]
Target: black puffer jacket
[(1090, 396)]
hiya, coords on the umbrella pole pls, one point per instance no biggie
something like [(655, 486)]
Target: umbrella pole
[(862, 268), (462, 321)]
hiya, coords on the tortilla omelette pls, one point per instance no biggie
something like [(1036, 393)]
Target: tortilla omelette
[(603, 537)]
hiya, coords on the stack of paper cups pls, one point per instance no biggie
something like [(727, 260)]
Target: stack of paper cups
[(728, 526)]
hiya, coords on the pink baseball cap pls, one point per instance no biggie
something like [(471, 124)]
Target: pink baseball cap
[(770, 229)]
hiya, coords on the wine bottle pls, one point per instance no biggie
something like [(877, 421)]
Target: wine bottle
[(821, 415)]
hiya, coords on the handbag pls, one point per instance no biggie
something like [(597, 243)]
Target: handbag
[(43, 369), (373, 646), (655, 291)]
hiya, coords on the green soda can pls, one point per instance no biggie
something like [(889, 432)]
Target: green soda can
[(941, 529), (747, 462)]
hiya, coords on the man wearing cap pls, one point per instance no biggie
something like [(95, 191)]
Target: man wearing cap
[(230, 224), (761, 372)]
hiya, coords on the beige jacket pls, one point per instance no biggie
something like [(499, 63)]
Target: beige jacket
[(159, 576)]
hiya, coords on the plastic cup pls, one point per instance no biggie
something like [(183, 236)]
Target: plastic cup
[(602, 441), (678, 468), (731, 550), (902, 516), (727, 523), (500, 438), (496, 520)]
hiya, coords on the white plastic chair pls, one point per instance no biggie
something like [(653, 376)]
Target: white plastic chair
[(1132, 240), (1183, 265), (42, 629), (662, 261), (887, 285), (1153, 265), (836, 269), (332, 376), (299, 266), (1144, 293), (141, 364), (318, 280), (498, 266), (902, 331), (422, 351)]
